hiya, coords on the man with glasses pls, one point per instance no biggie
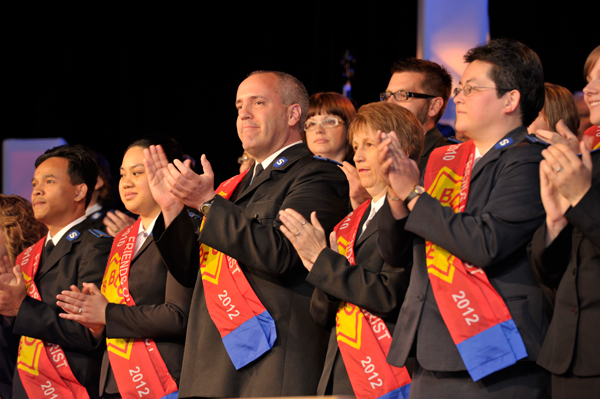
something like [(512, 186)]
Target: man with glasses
[(423, 87), (474, 313), (249, 331)]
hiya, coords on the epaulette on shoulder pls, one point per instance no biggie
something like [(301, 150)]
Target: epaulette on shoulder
[(536, 140), (100, 233), (327, 160), (194, 215)]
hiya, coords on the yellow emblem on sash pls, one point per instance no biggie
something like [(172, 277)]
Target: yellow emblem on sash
[(120, 346), (29, 355), (349, 324), (342, 245), (446, 187)]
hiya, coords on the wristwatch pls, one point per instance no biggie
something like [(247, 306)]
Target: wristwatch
[(206, 206), (418, 190)]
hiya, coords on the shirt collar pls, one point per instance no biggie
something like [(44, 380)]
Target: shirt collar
[(92, 209), (265, 164), (62, 232)]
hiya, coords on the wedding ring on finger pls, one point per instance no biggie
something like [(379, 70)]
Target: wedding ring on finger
[(558, 169), (298, 233), (80, 310), (303, 223)]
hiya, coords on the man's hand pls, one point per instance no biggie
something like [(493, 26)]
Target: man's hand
[(87, 307), (12, 290), (117, 221), (358, 194), (188, 187)]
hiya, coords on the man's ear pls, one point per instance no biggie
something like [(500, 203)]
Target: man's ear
[(80, 192), (434, 106), (294, 114), (99, 183), (513, 99)]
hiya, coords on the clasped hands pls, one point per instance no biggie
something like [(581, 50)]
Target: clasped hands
[(12, 288), (175, 184)]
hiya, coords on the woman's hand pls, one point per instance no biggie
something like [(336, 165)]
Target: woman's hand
[(308, 239), (87, 307)]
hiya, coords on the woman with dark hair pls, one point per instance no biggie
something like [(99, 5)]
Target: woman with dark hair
[(354, 285), (565, 255), (140, 309), (18, 230), (559, 104), (326, 128)]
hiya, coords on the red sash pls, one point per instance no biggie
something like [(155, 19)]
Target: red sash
[(246, 327), (594, 132), (137, 364), (476, 316), (363, 338), (42, 366)]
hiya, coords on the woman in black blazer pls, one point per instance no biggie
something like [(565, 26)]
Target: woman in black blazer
[(157, 316), (366, 280), (565, 254)]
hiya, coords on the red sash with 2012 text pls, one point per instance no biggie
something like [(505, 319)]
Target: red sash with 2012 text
[(138, 367), (363, 338)]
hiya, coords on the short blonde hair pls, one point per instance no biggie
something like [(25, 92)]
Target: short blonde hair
[(389, 117)]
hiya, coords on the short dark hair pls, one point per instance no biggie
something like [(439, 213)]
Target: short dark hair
[(388, 117), (332, 104), (514, 67), (292, 91), (82, 166), (172, 148), (437, 81), (106, 193)]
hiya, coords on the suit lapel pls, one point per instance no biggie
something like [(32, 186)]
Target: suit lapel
[(370, 230), (64, 246)]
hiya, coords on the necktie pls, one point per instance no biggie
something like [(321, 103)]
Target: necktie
[(257, 171), (47, 249)]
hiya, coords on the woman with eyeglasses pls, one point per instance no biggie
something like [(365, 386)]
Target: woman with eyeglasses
[(140, 309), (326, 135), (326, 128)]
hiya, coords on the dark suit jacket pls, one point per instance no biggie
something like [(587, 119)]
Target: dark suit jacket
[(248, 230), (571, 266), (433, 140), (9, 344), (97, 219), (160, 313), (370, 283), (502, 212), (70, 263)]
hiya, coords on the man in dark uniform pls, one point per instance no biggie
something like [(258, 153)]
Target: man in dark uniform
[(63, 182), (272, 109), (423, 87)]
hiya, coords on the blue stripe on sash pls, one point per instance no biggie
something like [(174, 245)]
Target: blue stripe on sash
[(398, 393), (171, 395), (491, 350), (251, 339)]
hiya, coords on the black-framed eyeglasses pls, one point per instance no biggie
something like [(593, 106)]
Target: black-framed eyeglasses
[(326, 123), (402, 95), (467, 89)]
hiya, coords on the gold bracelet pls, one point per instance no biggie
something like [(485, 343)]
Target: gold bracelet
[(394, 198)]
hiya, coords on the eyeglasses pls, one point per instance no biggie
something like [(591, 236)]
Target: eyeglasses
[(326, 123), (467, 89), (402, 95)]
